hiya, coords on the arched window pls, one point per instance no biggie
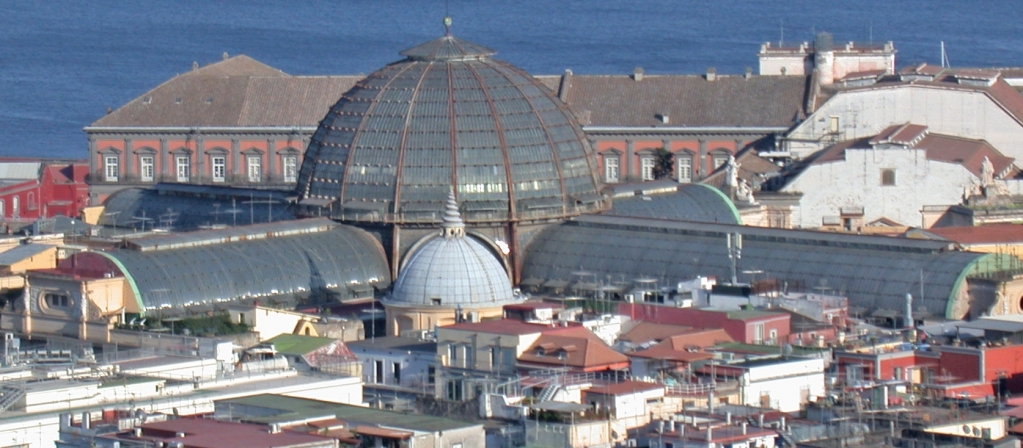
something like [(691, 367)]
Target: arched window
[(888, 177), (31, 200)]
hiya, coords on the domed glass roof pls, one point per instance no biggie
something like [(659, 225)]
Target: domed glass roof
[(448, 114), (452, 269)]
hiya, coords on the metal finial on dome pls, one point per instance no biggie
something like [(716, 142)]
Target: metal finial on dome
[(447, 25), (452, 224)]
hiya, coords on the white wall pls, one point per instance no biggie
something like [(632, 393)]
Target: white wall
[(866, 112), (783, 382), (856, 182)]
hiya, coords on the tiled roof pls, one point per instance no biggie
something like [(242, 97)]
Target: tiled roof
[(642, 332), (752, 168), (697, 338), (687, 100), (573, 351), (238, 92), (989, 234), (944, 148)]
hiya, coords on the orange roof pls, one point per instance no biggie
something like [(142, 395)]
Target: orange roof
[(697, 339), (648, 331), (994, 233), (587, 353), (669, 354)]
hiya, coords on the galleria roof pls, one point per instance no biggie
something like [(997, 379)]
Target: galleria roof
[(265, 260), (874, 272), (690, 202)]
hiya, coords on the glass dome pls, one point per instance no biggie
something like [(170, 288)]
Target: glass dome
[(449, 115)]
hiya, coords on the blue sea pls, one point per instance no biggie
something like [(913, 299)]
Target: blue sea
[(64, 62)]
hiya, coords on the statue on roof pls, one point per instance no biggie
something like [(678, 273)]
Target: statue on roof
[(744, 193), (732, 172), (987, 173)]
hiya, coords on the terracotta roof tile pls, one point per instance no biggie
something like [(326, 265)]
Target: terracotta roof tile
[(989, 234), (587, 353), (687, 100), (238, 92), (642, 332)]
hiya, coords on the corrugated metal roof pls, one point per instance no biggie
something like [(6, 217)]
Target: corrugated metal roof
[(873, 272)]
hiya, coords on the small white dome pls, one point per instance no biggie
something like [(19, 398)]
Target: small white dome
[(452, 269)]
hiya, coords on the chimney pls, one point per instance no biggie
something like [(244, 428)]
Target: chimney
[(781, 425), (664, 118), (728, 418), (637, 73), (749, 73), (137, 432), (195, 65), (671, 425), (225, 56), (710, 401), (760, 420), (712, 73), (566, 83), (743, 428), (710, 433), (86, 420)]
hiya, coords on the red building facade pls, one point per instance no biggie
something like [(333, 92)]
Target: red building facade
[(31, 190)]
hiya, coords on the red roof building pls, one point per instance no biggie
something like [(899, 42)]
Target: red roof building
[(33, 189)]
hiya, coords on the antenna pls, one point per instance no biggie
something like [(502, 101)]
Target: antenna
[(871, 31), (781, 40), (944, 57)]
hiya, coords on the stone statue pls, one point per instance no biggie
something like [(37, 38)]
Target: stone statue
[(987, 173), (732, 171), (745, 193)]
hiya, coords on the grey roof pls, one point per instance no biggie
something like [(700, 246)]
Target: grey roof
[(264, 260), (20, 170), (447, 48), (19, 253), (873, 272), (279, 408), (57, 224), (393, 145), (453, 268), (394, 343), (237, 92), (184, 208), (687, 100), (1005, 326), (691, 202)]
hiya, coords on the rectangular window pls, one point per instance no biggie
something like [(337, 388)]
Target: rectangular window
[(183, 168), (57, 300), (290, 168), (888, 178), (719, 160), (254, 169), (452, 354), (219, 168), (431, 375), (685, 169), (833, 125), (758, 333), (111, 171), (611, 169), (146, 168), (378, 372), (647, 165), (397, 372), (468, 357)]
